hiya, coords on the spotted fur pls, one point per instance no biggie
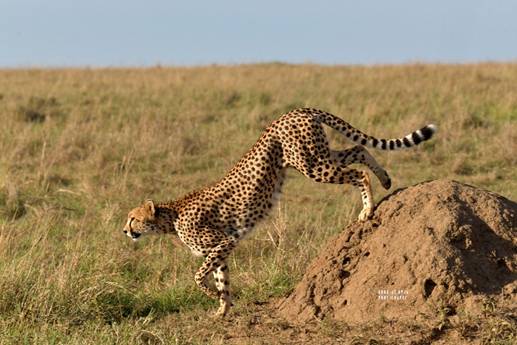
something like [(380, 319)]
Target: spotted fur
[(211, 221)]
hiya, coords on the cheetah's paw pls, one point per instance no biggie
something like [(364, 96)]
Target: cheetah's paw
[(221, 312), (365, 214), (385, 180)]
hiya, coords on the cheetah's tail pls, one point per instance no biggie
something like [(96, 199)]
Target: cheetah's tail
[(358, 137)]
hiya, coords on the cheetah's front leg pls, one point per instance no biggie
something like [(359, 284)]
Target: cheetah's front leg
[(222, 283), (215, 262)]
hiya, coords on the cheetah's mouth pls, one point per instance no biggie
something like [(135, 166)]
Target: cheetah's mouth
[(135, 236)]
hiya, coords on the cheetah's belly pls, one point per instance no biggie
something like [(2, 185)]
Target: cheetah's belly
[(253, 213)]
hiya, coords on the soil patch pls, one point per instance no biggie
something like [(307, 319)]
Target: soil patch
[(440, 247)]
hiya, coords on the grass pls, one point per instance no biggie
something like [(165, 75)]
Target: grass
[(80, 147)]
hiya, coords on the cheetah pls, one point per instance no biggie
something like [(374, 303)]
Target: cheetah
[(211, 221)]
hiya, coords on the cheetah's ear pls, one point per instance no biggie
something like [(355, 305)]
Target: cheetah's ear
[(149, 208)]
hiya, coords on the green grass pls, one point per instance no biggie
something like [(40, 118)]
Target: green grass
[(80, 147)]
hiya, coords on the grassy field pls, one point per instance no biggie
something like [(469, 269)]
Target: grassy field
[(82, 147)]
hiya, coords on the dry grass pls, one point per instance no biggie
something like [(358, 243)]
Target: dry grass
[(81, 147)]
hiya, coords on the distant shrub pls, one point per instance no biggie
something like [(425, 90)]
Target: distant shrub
[(37, 109)]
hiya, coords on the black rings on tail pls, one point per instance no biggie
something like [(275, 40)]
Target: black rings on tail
[(358, 137), (410, 140)]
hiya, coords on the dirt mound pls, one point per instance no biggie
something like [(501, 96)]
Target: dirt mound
[(437, 246)]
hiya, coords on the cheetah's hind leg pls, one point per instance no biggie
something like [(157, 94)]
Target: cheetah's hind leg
[(360, 155), (364, 185), (329, 171)]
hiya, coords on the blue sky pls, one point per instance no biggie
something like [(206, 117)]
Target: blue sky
[(54, 33)]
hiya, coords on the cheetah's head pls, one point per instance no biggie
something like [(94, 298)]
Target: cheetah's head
[(141, 221)]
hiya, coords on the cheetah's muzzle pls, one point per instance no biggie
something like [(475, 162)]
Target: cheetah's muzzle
[(135, 236)]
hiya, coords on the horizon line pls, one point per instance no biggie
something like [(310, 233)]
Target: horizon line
[(257, 63)]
